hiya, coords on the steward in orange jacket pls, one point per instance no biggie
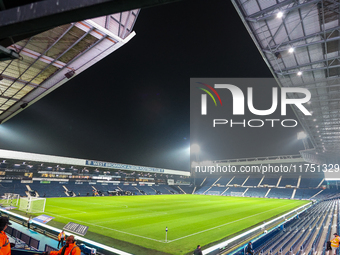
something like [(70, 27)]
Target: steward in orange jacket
[(5, 247), (335, 241), (61, 239), (70, 248)]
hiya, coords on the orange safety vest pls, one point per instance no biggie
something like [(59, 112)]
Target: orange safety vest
[(5, 247), (72, 249), (335, 242), (61, 236)]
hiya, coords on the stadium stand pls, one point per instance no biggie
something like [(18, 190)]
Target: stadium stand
[(224, 180), (280, 193), (234, 189), (288, 181), (252, 181), (270, 181), (305, 193), (306, 233), (207, 184), (187, 189), (238, 180), (256, 192), (310, 182)]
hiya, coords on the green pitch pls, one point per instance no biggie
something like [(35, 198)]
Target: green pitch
[(191, 219)]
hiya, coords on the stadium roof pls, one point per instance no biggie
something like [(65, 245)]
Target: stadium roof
[(299, 41), (50, 59)]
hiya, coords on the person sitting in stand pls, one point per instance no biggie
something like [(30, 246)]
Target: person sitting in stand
[(70, 248)]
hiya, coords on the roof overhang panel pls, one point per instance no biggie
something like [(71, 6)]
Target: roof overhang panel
[(47, 57)]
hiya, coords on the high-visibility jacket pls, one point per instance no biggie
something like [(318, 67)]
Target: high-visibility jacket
[(72, 249), (5, 247), (335, 242), (61, 236)]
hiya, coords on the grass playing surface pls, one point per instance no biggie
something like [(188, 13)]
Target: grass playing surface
[(191, 219)]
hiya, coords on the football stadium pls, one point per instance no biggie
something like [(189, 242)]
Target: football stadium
[(276, 204)]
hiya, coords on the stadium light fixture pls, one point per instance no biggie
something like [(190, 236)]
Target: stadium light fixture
[(301, 135), (279, 15), (314, 119), (195, 148), (299, 73), (291, 50)]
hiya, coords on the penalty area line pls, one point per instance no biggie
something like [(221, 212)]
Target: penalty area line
[(120, 231)]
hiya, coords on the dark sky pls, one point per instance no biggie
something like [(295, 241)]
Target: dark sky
[(133, 106)]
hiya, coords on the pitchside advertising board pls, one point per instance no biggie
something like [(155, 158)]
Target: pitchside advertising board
[(235, 114)]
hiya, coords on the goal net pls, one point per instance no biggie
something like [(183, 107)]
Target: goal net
[(10, 199), (217, 193), (236, 194), (32, 204)]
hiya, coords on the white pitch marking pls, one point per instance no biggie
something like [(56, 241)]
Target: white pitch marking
[(109, 228), (225, 224)]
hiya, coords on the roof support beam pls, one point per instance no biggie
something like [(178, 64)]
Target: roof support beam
[(304, 45), (277, 7), (43, 15), (308, 70), (302, 38), (270, 9), (309, 64)]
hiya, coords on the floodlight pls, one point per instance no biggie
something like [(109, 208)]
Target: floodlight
[(299, 73), (301, 135), (291, 50), (195, 148), (314, 119), (279, 15)]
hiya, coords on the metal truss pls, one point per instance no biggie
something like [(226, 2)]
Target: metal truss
[(302, 49)]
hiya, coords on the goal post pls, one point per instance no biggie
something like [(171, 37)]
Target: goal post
[(236, 194), (32, 204), (10, 199)]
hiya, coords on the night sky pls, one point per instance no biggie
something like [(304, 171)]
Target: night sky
[(133, 106)]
